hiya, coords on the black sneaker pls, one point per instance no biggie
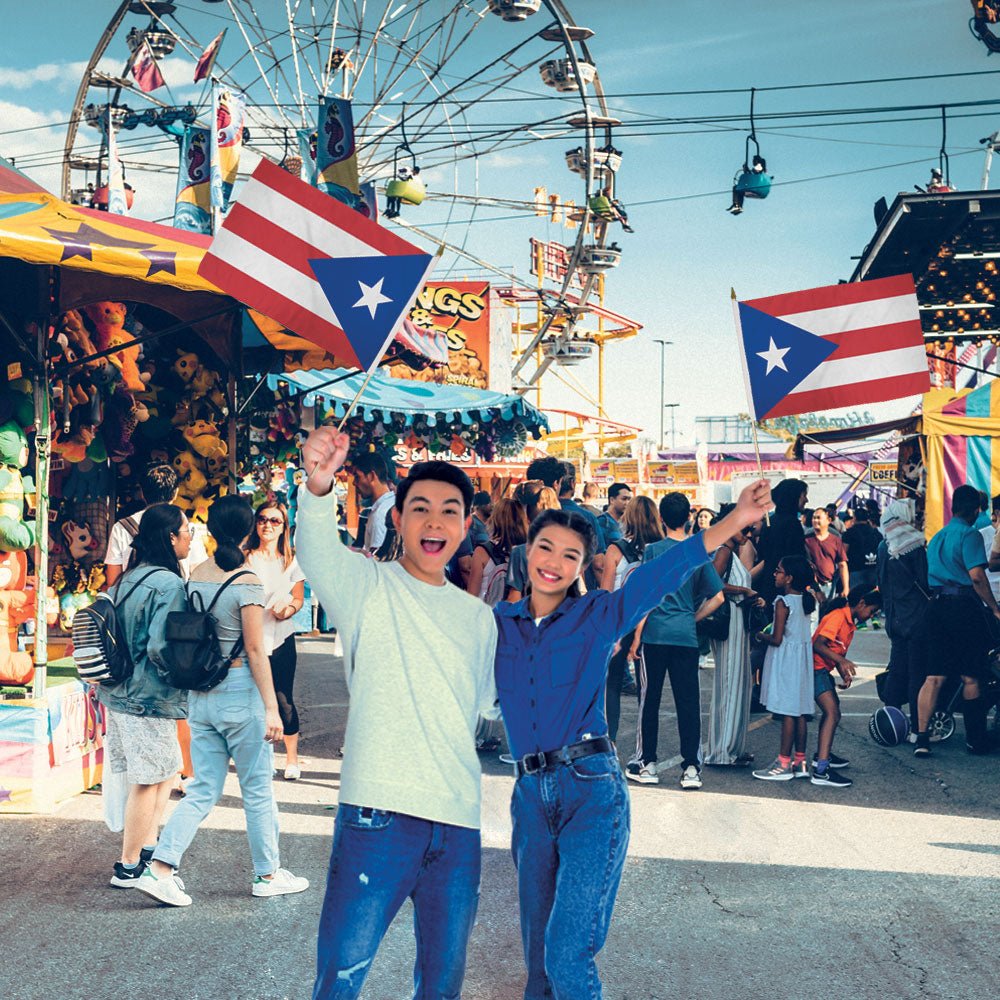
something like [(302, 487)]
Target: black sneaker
[(921, 751), (146, 855), (126, 878), (835, 762), (829, 778)]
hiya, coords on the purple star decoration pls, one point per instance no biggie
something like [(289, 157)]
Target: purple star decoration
[(82, 242), (5, 795)]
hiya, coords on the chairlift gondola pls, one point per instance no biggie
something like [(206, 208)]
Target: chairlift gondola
[(985, 13), (752, 180), (407, 186)]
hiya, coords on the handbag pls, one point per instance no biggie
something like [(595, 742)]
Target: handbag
[(716, 625)]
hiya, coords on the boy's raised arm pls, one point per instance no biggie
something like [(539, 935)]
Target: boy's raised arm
[(341, 579)]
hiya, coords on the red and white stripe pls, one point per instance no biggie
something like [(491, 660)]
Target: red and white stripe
[(880, 343), (261, 253)]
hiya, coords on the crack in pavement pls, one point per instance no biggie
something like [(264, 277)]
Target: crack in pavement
[(896, 947), (714, 899)]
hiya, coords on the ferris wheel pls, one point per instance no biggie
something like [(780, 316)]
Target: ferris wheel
[(436, 87)]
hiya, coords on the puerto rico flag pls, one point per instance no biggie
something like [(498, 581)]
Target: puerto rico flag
[(833, 347), (144, 70), (321, 269)]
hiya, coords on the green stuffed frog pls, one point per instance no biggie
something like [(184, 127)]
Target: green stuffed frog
[(15, 534)]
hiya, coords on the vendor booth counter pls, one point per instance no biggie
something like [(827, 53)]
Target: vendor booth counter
[(51, 748)]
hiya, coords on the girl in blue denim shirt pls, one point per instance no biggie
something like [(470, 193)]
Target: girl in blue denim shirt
[(570, 804)]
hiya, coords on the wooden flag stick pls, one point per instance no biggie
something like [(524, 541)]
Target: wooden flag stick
[(746, 382)]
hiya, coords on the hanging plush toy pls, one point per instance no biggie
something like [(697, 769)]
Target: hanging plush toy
[(15, 534), (15, 668), (109, 325)]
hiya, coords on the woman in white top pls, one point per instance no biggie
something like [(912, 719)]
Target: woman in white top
[(270, 556)]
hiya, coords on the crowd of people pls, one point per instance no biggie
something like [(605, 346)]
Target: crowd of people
[(468, 620)]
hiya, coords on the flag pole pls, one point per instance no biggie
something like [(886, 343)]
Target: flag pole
[(746, 382)]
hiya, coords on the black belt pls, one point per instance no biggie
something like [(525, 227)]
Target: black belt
[(531, 763), (954, 590)]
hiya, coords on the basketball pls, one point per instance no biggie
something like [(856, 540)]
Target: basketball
[(888, 727)]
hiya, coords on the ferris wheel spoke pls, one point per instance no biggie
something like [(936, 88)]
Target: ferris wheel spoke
[(253, 55), (295, 56)]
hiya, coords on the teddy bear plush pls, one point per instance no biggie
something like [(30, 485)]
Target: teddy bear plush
[(15, 668), (15, 533), (108, 319)]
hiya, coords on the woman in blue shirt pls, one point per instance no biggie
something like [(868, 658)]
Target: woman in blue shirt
[(570, 803)]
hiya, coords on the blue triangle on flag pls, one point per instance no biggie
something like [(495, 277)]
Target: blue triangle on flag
[(778, 357), (370, 295)]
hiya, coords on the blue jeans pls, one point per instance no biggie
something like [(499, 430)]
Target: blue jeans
[(379, 859), (571, 831), (227, 722)]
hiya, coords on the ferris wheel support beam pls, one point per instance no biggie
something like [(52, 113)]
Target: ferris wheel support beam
[(295, 58), (564, 20), (81, 94)]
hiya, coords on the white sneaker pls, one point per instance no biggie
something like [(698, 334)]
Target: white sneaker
[(645, 775), (292, 772), (283, 883), (167, 889), (691, 779)]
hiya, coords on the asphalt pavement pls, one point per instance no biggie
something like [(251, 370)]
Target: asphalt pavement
[(745, 888)]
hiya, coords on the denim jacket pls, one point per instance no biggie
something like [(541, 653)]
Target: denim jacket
[(144, 619)]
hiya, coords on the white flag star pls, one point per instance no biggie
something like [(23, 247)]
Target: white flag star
[(774, 356), (371, 296)]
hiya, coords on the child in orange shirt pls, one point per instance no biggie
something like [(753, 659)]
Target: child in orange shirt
[(830, 644)]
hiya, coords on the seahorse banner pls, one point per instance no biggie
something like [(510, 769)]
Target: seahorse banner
[(227, 142), (307, 150), (193, 205), (336, 155), (117, 203), (367, 202)]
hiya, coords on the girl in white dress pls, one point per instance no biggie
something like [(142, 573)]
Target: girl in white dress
[(786, 687)]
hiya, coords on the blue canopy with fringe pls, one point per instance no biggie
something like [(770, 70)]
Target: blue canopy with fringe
[(384, 395)]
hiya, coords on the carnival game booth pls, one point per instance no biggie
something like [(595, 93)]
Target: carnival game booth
[(114, 352), (961, 438)]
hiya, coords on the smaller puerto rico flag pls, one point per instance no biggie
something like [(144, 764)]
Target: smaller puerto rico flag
[(832, 347), (144, 69), (206, 61), (321, 269)]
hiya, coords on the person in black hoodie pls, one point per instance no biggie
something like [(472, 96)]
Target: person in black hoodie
[(902, 580), (784, 536)]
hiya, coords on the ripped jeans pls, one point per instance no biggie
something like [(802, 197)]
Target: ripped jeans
[(379, 859)]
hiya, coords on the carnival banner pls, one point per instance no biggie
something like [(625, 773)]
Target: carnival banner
[(193, 204), (307, 151), (229, 110), (117, 203), (602, 471), (672, 473), (626, 470), (336, 154), (367, 201), (449, 322)]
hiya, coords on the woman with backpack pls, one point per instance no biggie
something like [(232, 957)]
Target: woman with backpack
[(729, 717), (508, 527), (641, 525), (143, 709), (270, 556), (237, 719)]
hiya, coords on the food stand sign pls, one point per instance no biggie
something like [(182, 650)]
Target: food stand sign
[(672, 473), (882, 473), (602, 471), (626, 470)]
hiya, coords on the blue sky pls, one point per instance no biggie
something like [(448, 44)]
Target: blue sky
[(687, 253)]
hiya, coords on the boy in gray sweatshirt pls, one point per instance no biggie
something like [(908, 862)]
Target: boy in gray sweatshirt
[(418, 654)]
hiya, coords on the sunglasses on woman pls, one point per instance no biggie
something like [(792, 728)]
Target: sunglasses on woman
[(277, 522)]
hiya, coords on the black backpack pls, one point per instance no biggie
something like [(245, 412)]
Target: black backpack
[(100, 647), (193, 657)]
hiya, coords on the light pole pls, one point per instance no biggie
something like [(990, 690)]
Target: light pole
[(673, 434), (663, 374)]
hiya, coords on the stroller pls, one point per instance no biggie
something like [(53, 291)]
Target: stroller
[(942, 722)]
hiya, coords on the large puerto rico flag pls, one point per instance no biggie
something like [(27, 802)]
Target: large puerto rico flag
[(321, 269), (832, 347)]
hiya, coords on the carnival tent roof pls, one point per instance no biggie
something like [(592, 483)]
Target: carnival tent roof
[(962, 435), (384, 395), (39, 228)]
